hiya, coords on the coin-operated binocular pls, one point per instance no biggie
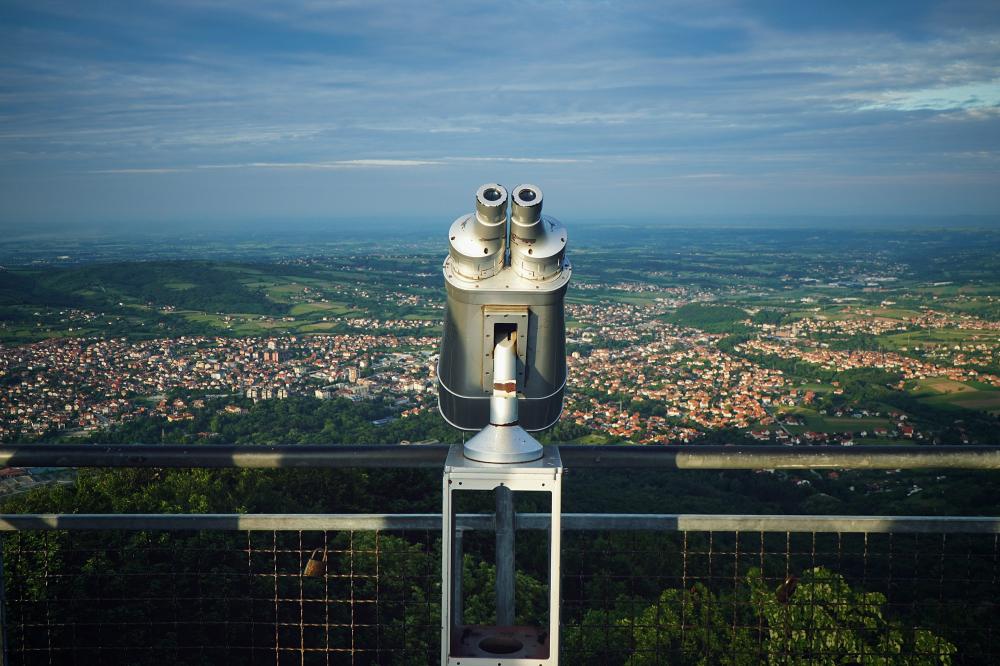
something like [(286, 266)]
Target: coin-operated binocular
[(503, 352), (502, 372)]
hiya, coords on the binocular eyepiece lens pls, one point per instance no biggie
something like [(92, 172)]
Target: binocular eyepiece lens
[(491, 205), (492, 194)]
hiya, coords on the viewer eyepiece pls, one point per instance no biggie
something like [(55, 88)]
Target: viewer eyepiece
[(526, 208), (491, 204)]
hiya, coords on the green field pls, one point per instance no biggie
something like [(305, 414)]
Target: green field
[(894, 313), (938, 337), (325, 309), (940, 385), (320, 327), (593, 439), (987, 401), (944, 392), (815, 388), (176, 298), (817, 422)]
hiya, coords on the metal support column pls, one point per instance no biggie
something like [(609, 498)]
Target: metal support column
[(457, 569), (505, 556)]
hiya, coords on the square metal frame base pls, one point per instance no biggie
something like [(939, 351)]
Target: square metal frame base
[(461, 645)]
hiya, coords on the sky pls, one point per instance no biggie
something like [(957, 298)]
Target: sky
[(156, 113)]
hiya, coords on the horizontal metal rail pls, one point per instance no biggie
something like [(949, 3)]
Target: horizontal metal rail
[(573, 456), (224, 456), (530, 521)]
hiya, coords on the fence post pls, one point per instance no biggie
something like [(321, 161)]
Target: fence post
[(3, 610)]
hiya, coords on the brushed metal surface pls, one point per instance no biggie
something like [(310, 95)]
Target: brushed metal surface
[(478, 289)]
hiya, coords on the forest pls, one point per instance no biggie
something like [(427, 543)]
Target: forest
[(185, 285)]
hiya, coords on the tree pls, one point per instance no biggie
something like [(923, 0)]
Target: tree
[(689, 625), (815, 619), (820, 619)]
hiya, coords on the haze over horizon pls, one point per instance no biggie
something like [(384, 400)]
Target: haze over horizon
[(216, 113)]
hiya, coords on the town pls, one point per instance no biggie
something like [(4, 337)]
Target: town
[(632, 375)]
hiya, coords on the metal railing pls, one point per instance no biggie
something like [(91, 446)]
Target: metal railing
[(637, 588), (382, 522), (432, 456)]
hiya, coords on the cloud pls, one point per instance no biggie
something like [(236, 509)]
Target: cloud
[(137, 171), (699, 176), (684, 91), (367, 163), (519, 160), (985, 94), (417, 128), (338, 164)]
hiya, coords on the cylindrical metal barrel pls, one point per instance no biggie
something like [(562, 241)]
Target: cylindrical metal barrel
[(527, 207), (478, 242), (537, 243), (503, 402), (491, 204)]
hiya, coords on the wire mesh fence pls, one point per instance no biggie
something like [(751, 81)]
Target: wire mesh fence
[(629, 597), (204, 597), (758, 597)]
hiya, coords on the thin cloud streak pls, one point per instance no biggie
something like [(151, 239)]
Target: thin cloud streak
[(968, 96), (520, 160), (340, 164), (347, 164), (138, 171)]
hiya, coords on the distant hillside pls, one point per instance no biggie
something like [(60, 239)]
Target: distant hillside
[(184, 285), (709, 318)]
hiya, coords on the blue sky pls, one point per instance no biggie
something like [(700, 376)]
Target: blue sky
[(154, 112)]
